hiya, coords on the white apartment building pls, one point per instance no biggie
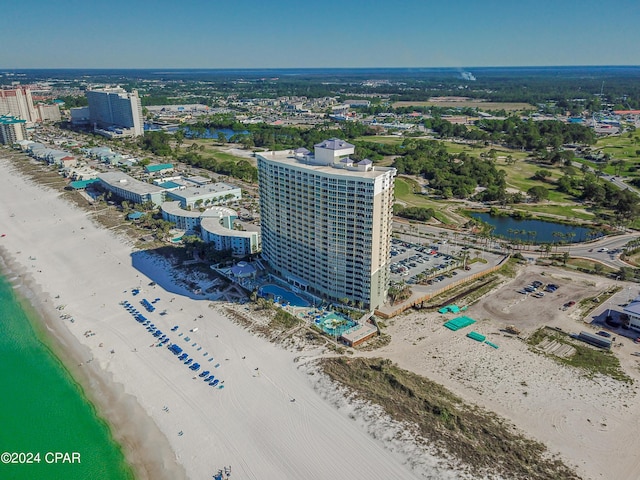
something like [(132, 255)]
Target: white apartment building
[(205, 195), (128, 188), (216, 226), (326, 221), (115, 112)]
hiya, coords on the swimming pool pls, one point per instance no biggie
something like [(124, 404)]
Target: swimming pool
[(334, 324), (280, 294)]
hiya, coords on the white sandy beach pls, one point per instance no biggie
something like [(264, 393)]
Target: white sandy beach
[(149, 396), (76, 269)]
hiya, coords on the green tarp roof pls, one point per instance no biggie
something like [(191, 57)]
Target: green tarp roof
[(459, 322), (449, 308), (476, 336)]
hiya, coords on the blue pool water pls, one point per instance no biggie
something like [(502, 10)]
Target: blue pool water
[(335, 325), (280, 293)]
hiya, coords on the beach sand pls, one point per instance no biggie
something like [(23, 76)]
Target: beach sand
[(68, 267), (591, 422), (170, 423)]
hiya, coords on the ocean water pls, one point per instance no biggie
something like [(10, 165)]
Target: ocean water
[(43, 411)]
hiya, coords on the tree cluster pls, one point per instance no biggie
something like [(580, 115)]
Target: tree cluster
[(449, 175), (420, 214), (591, 189), (513, 132)]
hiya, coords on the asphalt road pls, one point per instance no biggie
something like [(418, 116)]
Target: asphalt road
[(432, 235)]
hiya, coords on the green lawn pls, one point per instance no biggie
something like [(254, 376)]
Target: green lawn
[(624, 147), (518, 175), (383, 139), (212, 149), (569, 211), (589, 265), (404, 192)]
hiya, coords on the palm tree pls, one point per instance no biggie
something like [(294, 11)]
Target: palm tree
[(556, 235), (465, 257), (570, 236)]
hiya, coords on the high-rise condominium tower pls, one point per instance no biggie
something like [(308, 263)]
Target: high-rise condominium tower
[(326, 221), (114, 108)]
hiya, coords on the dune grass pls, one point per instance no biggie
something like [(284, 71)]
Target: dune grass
[(477, 439)]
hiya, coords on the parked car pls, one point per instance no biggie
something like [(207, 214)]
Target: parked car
[(602, 333)]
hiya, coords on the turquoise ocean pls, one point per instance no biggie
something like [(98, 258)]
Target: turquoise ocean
[(44, 411)]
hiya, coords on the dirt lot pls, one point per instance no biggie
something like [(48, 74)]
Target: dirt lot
[(506, 306)]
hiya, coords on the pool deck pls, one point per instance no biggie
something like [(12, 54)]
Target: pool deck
[(359, 334)]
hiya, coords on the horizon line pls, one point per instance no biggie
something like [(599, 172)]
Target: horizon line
[(4, 69)]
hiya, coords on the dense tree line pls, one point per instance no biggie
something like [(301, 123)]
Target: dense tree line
[(159, 144), (514, 132), (589, 188), (449, 175), (241, 169), (414, 213), (277, 137), (73, 101), (536, 135)]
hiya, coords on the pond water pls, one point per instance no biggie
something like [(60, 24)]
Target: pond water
[(535, 231), (213, 133), (208, 133)]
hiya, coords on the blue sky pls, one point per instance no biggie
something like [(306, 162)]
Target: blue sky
[(317, 33)]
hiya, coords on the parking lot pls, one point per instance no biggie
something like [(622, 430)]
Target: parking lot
[(413, 263), (552, 300)]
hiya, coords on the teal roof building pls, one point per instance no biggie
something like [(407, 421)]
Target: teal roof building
[(163, 167)]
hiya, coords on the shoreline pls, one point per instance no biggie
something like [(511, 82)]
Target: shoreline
[(124, 417), (77, 268), (68, 264)]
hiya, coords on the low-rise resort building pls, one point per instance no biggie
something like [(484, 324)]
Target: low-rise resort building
[(128, 188), (214, 225)]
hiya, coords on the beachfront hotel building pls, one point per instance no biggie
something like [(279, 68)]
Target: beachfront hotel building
[(326, 221), (216, 226), (12, 130), (130, 189), (114, 112), (17, 101)]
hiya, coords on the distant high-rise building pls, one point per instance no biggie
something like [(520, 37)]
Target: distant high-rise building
[(12, 129), (17, 101), (116, 112), (47, 112), (326, 221)]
